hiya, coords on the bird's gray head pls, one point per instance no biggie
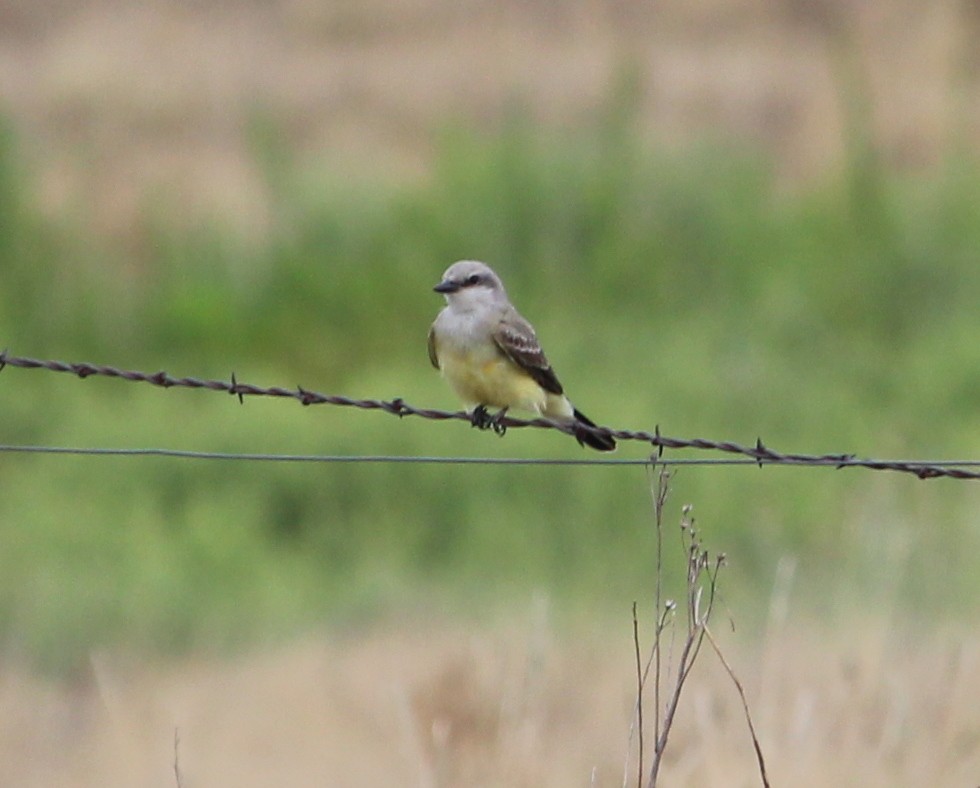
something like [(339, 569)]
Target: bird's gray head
[(468, 283)]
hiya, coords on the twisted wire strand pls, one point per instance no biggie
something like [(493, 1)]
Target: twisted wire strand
[(760, 453)]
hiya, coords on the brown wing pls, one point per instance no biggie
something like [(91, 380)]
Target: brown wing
[(433, 354), (516, 339)]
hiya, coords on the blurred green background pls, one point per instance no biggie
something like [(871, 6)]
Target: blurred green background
[(691, 286)]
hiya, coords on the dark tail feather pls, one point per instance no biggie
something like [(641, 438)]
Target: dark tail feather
[(588, 438)]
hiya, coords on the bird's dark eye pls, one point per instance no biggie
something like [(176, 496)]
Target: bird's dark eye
[(472, 280)]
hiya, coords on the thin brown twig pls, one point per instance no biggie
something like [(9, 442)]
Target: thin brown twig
[(655, 652), (762, 454), (684, 669), (177, 775), (745, 706), (663, 487), (687, 657), (702, 576), (639, 697)]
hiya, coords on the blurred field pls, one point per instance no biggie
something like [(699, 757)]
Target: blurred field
[(729, 220), (120, 100), (501, 705)]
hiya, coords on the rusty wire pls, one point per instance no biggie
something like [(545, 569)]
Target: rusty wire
[(759, 453)]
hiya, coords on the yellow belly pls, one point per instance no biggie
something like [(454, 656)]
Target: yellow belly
[(494, 381)]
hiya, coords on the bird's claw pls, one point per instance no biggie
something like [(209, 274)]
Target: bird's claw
[(497, 422), (483, 420)]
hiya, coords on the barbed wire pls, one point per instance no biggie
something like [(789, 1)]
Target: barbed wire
[(760, 454)]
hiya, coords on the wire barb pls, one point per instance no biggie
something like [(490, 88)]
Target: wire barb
[(760, 453)]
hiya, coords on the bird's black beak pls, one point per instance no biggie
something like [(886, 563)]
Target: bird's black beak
[(446, 286)]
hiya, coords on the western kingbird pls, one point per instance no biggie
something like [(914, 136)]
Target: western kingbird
[(491, 357)]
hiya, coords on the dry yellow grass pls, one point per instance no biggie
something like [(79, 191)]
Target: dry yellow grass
[(461, 706), (118, 98)]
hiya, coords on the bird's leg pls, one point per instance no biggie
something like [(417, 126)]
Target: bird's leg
[(497, 422), (481, 418)]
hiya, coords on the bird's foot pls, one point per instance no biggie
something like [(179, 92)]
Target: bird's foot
[(497, 422), (481, 419)]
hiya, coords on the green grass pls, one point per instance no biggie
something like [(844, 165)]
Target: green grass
[(686, 291)]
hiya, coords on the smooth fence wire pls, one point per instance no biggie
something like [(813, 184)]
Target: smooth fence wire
[(369, 459), (758, 454)]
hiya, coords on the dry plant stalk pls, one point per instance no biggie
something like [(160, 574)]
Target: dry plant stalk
[(701, 585), (178, 778)]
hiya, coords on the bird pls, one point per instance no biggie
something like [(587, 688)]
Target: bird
[(491, 357)]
